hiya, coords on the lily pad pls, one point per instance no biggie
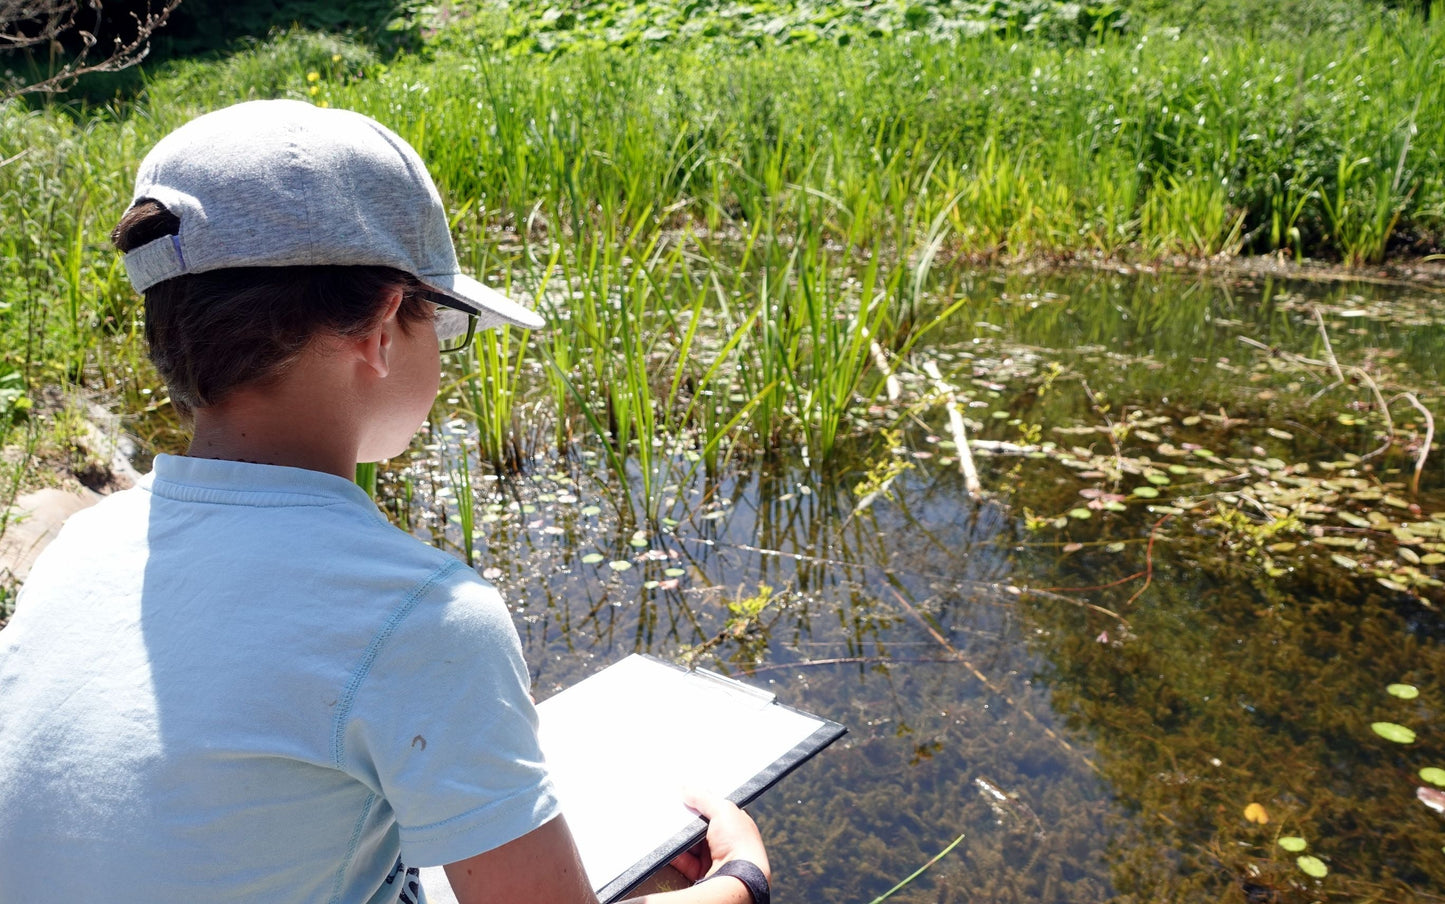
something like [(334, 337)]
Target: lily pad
[(1403, 691), (1393, 732), (1146, 492), (592, 558), (1312, 866), (1293, 843), (619, 565), (1434, 775)]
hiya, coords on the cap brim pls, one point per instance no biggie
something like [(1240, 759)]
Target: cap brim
[(492, 308)]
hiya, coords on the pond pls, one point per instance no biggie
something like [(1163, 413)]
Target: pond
[(1142, 664)]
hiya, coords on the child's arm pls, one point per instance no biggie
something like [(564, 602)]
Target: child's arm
[(544, 865)]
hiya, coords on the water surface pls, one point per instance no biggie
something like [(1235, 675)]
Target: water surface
[(1091, 700)]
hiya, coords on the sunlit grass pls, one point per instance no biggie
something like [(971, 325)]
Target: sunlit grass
[(721, 238)]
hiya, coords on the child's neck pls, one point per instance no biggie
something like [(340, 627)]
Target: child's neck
[(296, 420)]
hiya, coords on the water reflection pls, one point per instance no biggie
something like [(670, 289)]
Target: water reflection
[(1090, 700)]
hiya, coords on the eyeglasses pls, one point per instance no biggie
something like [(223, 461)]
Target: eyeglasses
[(455, 325)]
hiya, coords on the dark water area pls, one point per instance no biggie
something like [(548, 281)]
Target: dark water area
[(1138, 667)]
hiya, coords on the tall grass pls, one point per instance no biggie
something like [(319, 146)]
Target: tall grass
[(719, 236)]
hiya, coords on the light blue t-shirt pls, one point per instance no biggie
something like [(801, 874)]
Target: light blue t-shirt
[(238, 682)]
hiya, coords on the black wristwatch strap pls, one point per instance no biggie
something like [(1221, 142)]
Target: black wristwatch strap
[(750, 875)]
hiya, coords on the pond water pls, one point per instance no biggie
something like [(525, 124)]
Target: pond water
[(1150, 650)]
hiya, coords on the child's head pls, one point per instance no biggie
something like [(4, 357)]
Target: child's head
[(255, 228)]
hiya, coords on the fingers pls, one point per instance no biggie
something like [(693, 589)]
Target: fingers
[(731, 833), (694, 862)]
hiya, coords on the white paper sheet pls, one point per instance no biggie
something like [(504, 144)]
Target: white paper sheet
[(622, 744)]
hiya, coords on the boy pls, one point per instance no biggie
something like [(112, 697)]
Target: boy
[(237, 682)]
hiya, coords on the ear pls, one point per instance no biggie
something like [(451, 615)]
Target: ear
[(376, 346)]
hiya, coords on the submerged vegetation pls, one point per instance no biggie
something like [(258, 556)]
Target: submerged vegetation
[(1108, 568)]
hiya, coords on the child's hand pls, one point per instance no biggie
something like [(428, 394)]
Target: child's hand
[(731, 835)]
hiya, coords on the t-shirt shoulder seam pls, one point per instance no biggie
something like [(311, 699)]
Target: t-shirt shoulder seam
[(373, 650)]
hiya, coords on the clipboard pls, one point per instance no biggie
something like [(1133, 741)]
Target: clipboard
[(622, 743)]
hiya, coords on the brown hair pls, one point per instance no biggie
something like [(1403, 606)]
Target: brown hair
[(211, 333)]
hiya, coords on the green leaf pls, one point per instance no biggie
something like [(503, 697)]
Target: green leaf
[(1082, 514), (1434, 775), (1392, 732), (1146, 492), (619, 564), (1293, 843), (592, 558), (1312, 866), (1404, 691)]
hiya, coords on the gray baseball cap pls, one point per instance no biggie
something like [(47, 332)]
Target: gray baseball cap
[(278, 183)]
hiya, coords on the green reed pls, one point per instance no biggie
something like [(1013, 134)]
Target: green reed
[(718, 236)]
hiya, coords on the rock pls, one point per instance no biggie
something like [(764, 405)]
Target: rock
[(33, 522)]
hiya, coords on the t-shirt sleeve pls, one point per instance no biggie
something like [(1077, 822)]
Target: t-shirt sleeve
[(441, 722)]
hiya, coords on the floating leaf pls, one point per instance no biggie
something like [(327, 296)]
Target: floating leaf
[(1146, 492), (1293, 843), (1082, 514), (619, 564), (1434, 775), (1403, 691), (1157, 479), (1392, 732), (592, 558), (591, 511), (1256, 813), (1177, 469), (1351, 518), (1312, 866), (674, 572)]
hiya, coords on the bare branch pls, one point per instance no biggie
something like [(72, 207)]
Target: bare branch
[(28, 24)]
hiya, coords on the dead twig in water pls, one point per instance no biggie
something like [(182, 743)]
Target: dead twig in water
[(985, 680), (1329, 349), (890, 379), (955, 426), (848, 660), (1148, 562), (1424, 447)]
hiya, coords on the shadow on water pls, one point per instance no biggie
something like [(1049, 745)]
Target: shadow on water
[(1185, 591)]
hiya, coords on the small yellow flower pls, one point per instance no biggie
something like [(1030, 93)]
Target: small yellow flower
[(336, 58), (313, 76), (323, 104), (314, 90)]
